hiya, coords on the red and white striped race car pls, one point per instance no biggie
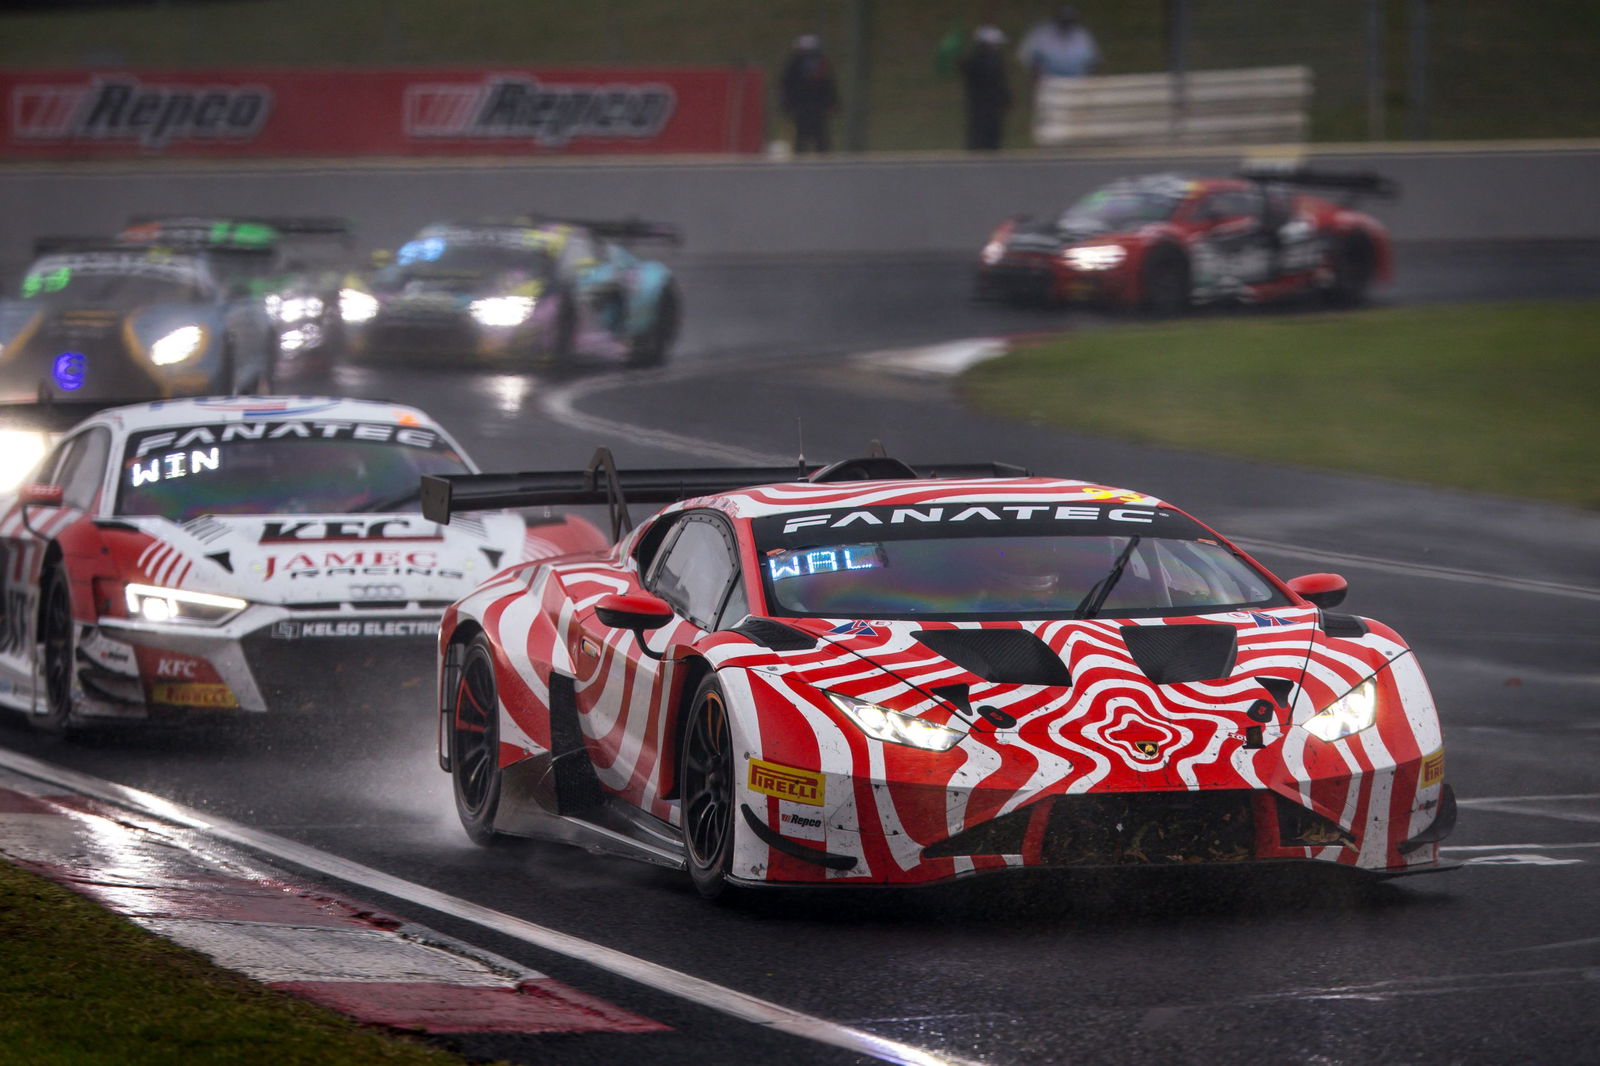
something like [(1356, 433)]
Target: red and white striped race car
[(237, 554), (865, 674)]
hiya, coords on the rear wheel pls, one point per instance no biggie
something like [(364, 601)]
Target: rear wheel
[(475, 743), (650, 347), (57, 634), (705, 785), (1354, 263)]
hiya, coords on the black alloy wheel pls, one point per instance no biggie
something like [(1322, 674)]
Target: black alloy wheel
[(650, 348), (475, 743), (705, 787), (1166, 287), (1354, 263), (56, 634)]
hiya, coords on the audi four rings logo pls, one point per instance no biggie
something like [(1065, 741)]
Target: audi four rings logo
[(374, 593)]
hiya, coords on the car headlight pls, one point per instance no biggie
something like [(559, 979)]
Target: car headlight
[(993, 252), (1094, 256), (153, 604), (357, 306), (182, 343), (502, 310), (884, 724), (20, 452), (1351, 713), (290, 309)]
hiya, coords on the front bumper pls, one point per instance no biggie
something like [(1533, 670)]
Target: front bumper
[(270, 659), (1044, 279)]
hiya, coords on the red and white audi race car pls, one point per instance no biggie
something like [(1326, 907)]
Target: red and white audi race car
[(236, 554), (861, 674)]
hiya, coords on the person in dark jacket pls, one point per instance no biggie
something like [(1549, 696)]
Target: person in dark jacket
[(809, 94), (988, 89)]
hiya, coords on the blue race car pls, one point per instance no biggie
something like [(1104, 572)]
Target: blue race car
[(515, 290)]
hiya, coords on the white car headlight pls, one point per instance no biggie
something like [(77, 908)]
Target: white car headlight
[(151, 604), (182, 343), (1094, 256), (357, 306), (290, 309), (20, 452), (502, 310), (884, 724), (1351, 713), (993, 252)]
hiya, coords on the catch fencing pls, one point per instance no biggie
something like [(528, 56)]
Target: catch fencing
[(1261, 105)]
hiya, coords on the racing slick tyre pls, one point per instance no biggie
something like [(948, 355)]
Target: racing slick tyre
[(475, 743), (706, 788), (57, 635), (1164, 284), (1353, 264), (650, 347)]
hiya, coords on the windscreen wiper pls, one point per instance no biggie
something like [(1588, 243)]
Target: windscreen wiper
[(1091, 603)]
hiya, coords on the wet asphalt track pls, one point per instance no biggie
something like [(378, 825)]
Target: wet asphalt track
[(1496, 962)]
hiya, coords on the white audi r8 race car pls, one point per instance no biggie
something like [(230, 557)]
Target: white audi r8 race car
[(867, 674), (236, 554)]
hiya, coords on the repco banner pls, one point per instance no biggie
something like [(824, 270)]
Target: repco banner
[(379, 112)]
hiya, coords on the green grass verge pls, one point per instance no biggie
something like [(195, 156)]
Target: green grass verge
[(1500, 398), (83, 986)]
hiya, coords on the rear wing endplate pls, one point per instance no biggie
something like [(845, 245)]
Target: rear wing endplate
[(1355, 182), (601, 483)]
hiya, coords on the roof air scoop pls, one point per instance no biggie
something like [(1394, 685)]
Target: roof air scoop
[(1000, 656), (1173, 655)]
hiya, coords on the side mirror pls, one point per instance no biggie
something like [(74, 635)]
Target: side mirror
[(1324, 590), (637, 612), (40, 496)]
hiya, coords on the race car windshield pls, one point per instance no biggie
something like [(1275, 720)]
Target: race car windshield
[(1118, 209), (280, 468), (1018, 569), (424, 259), (110, 284)]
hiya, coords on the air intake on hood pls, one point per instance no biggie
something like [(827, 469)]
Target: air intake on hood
[(1171, 655), (1003, 656)]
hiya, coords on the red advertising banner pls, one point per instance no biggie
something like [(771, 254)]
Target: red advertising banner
[(572, 111)]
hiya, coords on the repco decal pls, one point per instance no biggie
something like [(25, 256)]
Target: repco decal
[(342, 529), (523, 108), (785, 782), (125, 109)]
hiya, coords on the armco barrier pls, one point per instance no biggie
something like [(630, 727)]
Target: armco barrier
[(832, 206)]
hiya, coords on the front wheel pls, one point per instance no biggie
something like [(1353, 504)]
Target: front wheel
[(706, 788), (475, 743), (650, 347), (57, 634)]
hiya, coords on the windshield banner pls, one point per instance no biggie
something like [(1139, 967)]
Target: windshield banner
[(577, 111)]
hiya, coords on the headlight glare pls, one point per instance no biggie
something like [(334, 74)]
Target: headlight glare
[(1351, 713), (1094, 256), (181, 344), (289, 309), (502, 310), (357, 306), (20, 452), (151, 604), (881, 723), (993, 252)]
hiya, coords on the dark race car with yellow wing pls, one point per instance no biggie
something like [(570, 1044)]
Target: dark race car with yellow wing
[(1165, 242), (518, 291)]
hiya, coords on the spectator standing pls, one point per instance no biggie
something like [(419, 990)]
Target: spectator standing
[(809, 94), (1059, 47), (988, 89)]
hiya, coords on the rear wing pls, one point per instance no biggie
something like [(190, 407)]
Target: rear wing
[(234, 233), (627, 230), (601, 483), (57, 244), (1351, 182)]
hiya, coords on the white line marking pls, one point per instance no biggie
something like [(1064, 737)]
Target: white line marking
[(1521, 859), (1480, 801), (1517, 847), (1585, 942), (560, 404), (662, 978), (1449, 985), (1537, 812)]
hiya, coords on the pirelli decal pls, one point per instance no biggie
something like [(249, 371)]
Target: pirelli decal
[(1433, 768), (185, 694), (785, 782)]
